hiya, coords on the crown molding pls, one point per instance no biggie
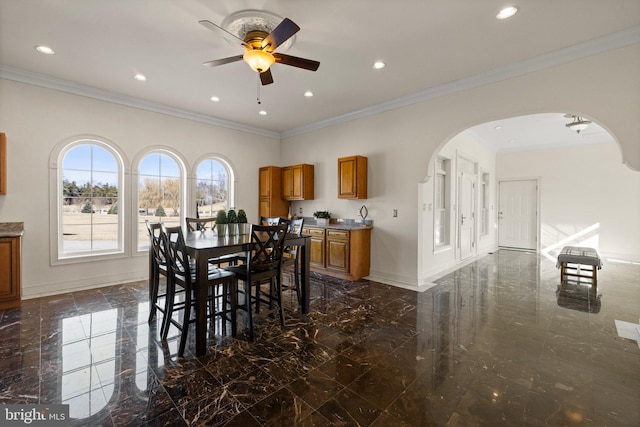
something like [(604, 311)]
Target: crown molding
[(561, 56), (61, 85), (558, 57)]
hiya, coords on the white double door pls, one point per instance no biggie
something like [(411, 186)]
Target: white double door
[(518, 214), (466, 215)]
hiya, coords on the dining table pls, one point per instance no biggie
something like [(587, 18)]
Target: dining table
[(204, 245)]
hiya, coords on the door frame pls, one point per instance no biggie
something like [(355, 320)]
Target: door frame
[(538, 209)]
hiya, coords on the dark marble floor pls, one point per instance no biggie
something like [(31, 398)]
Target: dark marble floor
[(497, 342)]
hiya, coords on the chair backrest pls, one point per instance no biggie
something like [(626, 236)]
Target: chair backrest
[(176, 251), (202, 223), (267, 246), (157, 248), (295, 226), (269, 220)]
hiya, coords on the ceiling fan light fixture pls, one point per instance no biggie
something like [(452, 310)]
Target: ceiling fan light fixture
[(258, 60), (578, 124)]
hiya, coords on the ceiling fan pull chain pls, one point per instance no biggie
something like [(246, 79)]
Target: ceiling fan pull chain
[(258, 88)]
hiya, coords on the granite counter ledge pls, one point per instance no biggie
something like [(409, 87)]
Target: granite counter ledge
[(11, 229)]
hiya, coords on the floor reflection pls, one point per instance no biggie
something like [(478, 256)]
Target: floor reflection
[(497, 342), (578, 296)]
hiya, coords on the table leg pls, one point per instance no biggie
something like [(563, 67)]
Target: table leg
[(201, 305), (305, 271)]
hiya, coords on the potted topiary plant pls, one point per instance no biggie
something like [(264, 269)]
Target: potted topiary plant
[(232, 219), (243, 224), (221, 223), (322, 217)]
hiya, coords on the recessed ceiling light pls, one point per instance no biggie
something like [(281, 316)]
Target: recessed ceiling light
[(45, 49), (215, 99), (498, 127), (308, 94), (379, 65), (140, 77), (262, 113), (507, 12)]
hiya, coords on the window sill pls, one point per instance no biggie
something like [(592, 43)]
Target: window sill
[(441, 249)]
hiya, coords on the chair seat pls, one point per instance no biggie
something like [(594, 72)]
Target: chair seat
[(231, 259), (214, 274)]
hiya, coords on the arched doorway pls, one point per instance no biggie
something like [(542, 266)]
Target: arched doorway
[(578, 183)]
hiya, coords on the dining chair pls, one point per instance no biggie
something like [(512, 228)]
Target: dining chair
[(221, 286), (290, 257), (195, 224), (158, 267), (270, 220), (263, 266)]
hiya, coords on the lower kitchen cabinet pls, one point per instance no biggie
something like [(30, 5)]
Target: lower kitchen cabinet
[(9, 272), (342, 253)]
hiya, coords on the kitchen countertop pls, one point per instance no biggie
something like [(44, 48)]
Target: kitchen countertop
[(11, 229), (339, 225)]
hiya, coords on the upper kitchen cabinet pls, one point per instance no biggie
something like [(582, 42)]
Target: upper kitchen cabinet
[(270, 203), (352, 177), (297, 182)]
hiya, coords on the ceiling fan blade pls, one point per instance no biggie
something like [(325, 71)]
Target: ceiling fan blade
[(294, 61), (224, 33), (222, 61), (266, 78), (280, 34)]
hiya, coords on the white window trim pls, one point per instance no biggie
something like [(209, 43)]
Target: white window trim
[(56, 257), (486, 233), (182, 164), (446, 245), (231, 175)]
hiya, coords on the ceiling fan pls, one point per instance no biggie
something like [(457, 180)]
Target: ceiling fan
[(578, 124), (259, 49)]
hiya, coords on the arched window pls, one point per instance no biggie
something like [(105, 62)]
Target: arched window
[(90, 200), (160, 192), (213, 186)]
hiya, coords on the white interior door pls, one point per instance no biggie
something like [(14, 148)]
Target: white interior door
[(517, 214), (466, 216)]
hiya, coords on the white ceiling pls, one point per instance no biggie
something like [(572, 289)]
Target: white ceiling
[(429, 46)]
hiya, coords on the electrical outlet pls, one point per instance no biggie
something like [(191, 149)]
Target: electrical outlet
[(301, 211), (395, 213)]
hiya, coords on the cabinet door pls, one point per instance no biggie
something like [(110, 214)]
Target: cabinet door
[(9, 272), (287, 183), (338, 255), (264, 207), (297, 180), (265, 182), (352, 177), (337, 251), (347, 177), (317, 246), (317, 252)]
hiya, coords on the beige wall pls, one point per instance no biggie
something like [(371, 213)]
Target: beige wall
[(400, 145), (35, 120), (587, 198)]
